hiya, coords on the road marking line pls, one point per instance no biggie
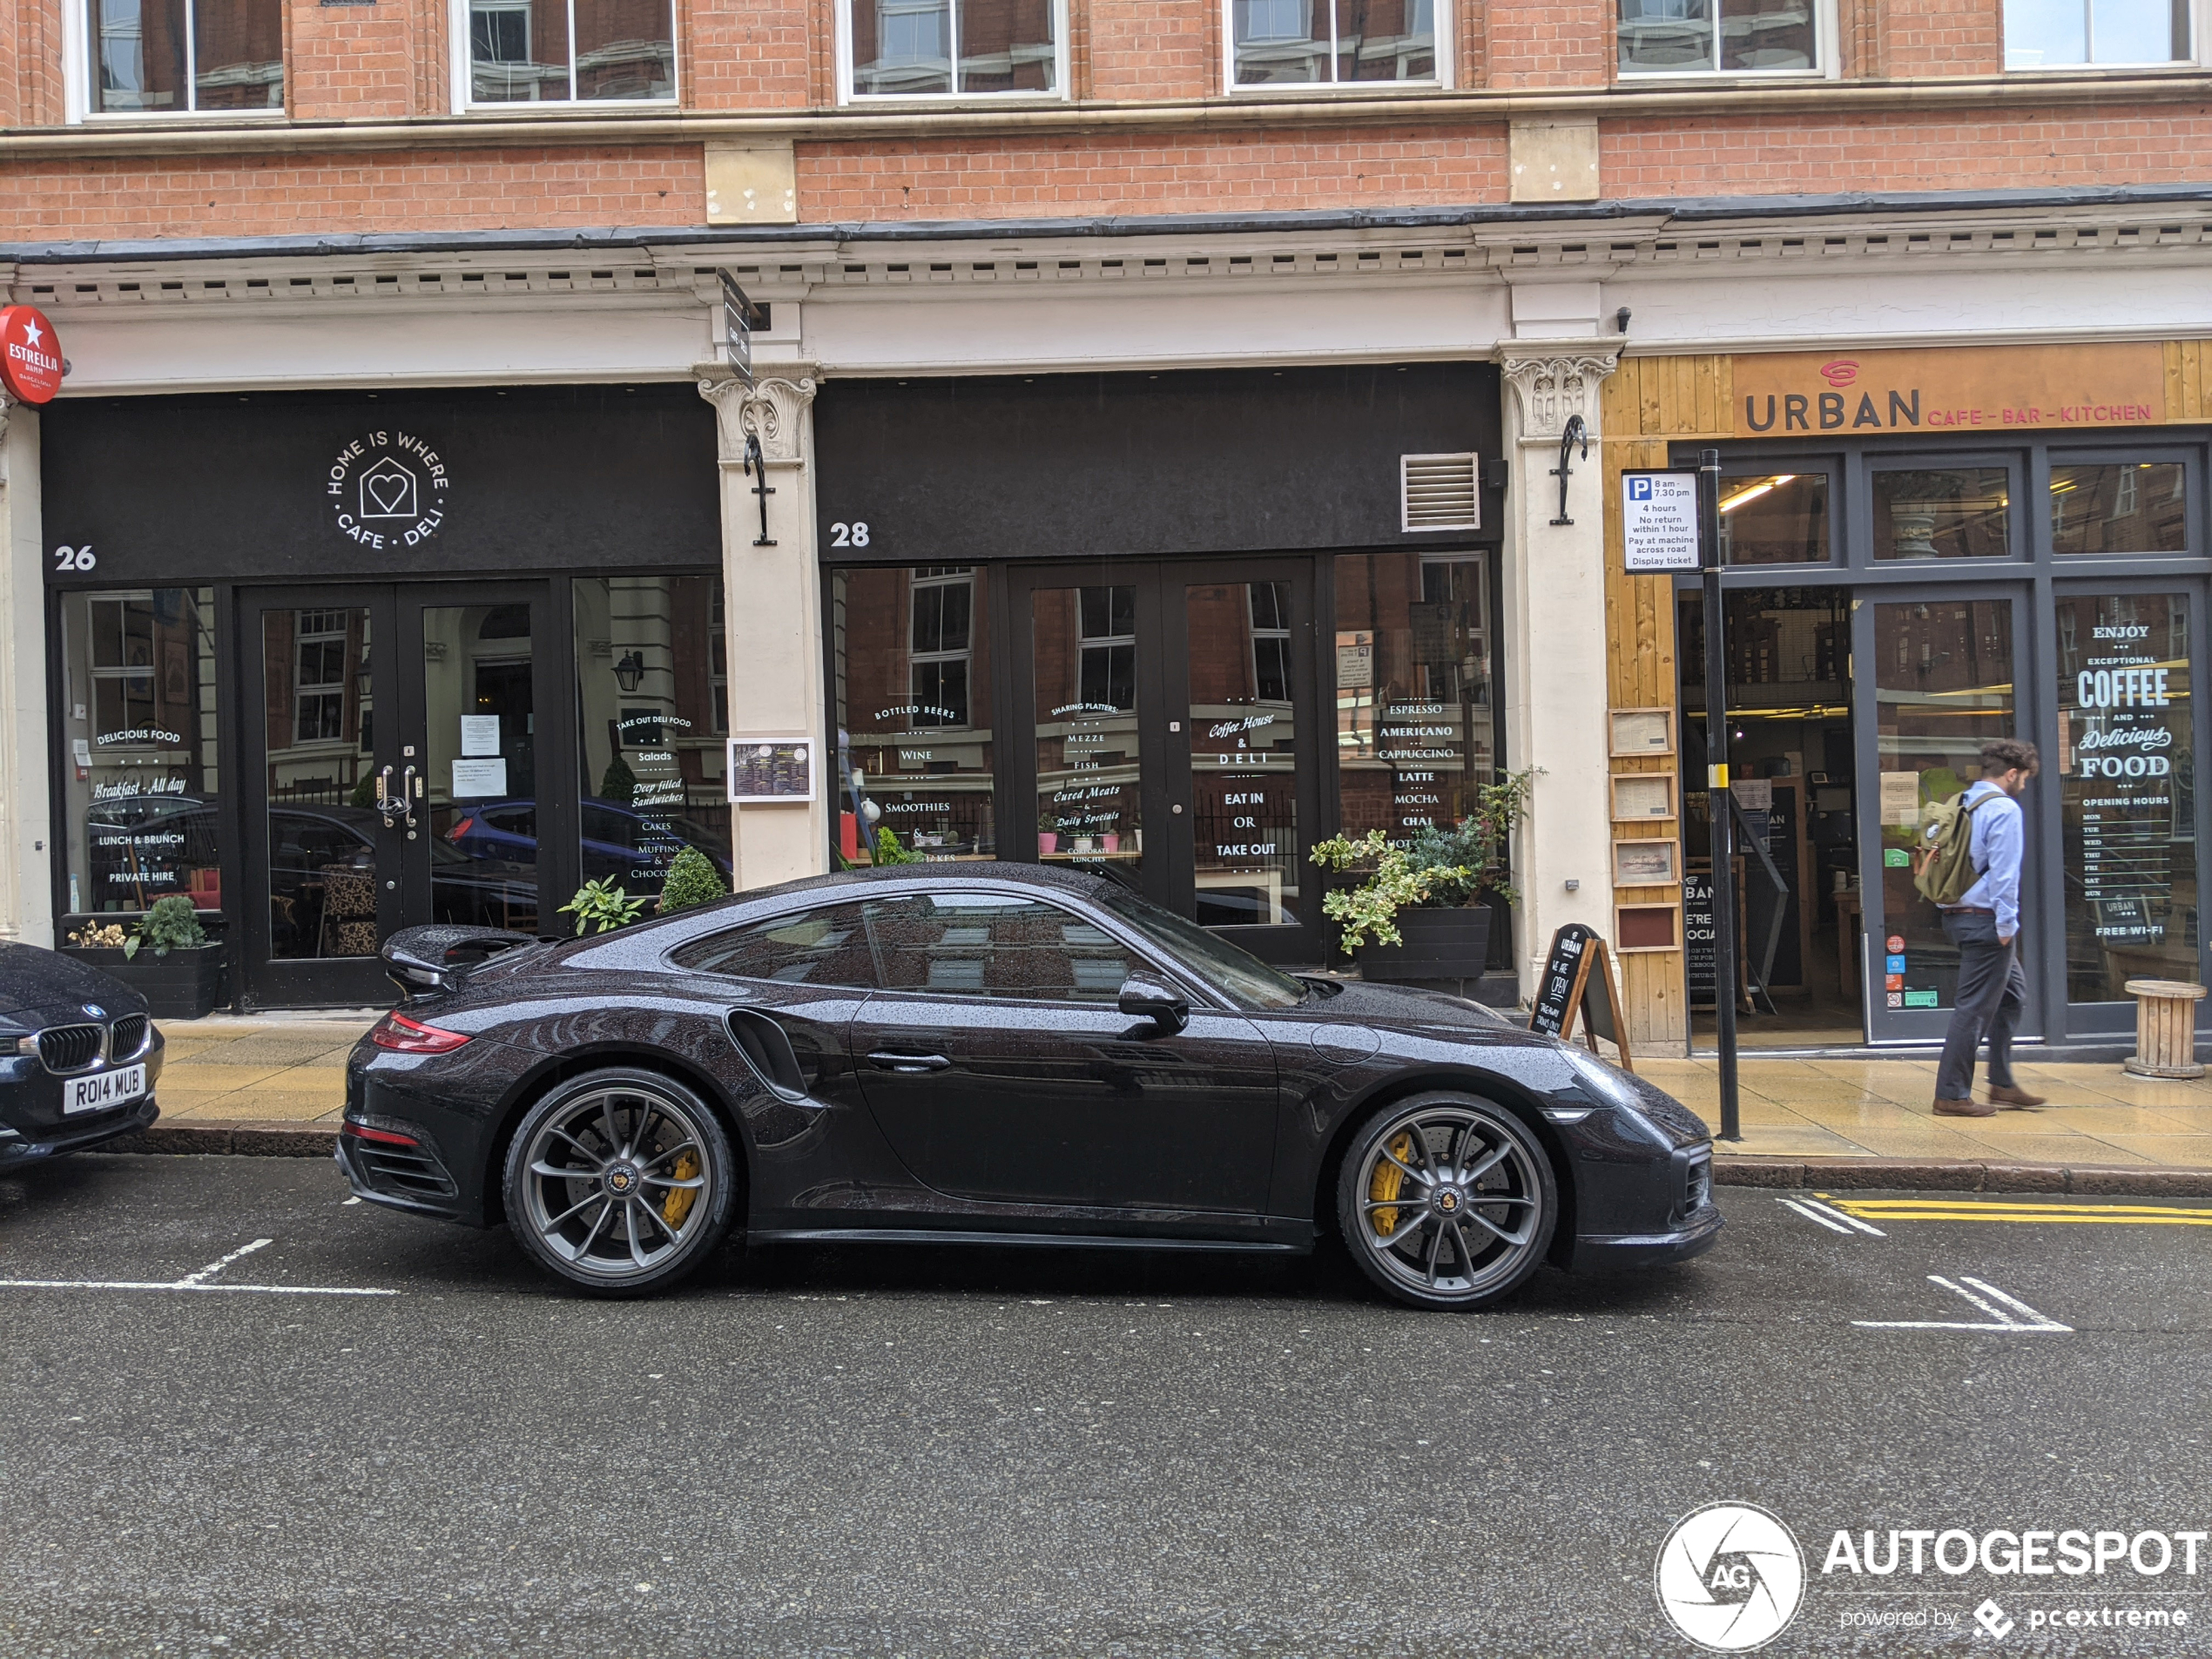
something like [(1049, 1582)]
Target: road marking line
[(213, 1268), (1847, 1217), (2002, 1320), (1813, 1215), (181, 1284), (2114, 1215)]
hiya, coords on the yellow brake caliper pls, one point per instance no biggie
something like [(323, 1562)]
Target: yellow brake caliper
[(1388, 1181), (679, 1201)]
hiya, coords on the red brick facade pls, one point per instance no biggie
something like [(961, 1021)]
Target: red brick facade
[(354, 73)]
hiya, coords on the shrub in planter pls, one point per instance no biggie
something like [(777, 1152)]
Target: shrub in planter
[(692, 879), (167, 959)]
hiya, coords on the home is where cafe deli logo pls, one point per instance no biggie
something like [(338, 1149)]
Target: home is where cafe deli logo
[(388, 489), (1732, 1577)]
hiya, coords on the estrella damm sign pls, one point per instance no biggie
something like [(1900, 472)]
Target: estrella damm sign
[(1948, 389)]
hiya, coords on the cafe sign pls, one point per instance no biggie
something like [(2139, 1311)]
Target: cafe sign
[(1950, 390)]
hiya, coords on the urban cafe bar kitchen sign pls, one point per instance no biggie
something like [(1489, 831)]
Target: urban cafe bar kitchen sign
[(1950, 390)]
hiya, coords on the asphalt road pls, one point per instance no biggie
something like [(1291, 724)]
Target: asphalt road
[(907, 1452)]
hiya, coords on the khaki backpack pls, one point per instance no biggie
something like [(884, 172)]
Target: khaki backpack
[(1943, 868)]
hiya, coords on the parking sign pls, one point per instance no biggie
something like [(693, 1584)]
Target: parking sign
[(1659, 520)]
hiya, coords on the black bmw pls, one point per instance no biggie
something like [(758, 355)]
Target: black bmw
[(993, 1052), (79, 1056)]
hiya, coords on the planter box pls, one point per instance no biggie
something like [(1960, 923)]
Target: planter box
[(1439, 944), (183, 985)]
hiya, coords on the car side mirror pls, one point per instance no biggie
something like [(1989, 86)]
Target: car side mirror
[(1144, 997)]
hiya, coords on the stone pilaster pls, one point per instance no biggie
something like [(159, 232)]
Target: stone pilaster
[(26, 851), (1557, 682), (772, 603)]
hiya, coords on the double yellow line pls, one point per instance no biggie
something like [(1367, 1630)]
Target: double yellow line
[(1944, 1209)]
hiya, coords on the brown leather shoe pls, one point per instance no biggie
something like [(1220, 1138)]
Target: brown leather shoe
[(2013, 1098), (1963, 1108)]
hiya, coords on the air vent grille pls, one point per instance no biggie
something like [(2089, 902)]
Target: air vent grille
[(1438, 492)]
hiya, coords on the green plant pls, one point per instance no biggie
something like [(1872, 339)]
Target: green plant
[(692, 879), (1368, 913), (619, 785), (600, 907), (1443, 868), (364, 791), (887, 850), (170, 925)]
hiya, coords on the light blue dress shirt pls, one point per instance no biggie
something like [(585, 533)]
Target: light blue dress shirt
[(1997, 841)]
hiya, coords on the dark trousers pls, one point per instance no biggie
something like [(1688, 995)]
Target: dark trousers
[(1993, 990)]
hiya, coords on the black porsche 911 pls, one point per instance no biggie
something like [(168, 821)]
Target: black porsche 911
[(993, 1054), (79, 1056)]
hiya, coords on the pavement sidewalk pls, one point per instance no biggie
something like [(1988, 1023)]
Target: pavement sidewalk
[(277, 1083)]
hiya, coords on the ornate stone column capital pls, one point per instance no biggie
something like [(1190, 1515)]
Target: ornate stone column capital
[(1552, 379), (771, 410)]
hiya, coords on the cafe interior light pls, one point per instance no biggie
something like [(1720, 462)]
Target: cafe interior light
[(1756, 491), (630, 671)]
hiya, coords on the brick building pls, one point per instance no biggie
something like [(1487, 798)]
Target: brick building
[(1160, 414)]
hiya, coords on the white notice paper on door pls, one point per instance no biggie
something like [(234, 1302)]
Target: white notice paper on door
[(479, 734), (479, 779), (1901, 799)]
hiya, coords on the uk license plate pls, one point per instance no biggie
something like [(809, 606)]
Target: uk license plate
[(103, 1089)]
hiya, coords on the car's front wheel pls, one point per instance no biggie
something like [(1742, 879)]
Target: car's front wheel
[(620, 1181), (1446, 1201)]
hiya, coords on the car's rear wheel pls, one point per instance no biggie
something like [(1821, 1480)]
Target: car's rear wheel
[(1446, 1201), (620, 1181)]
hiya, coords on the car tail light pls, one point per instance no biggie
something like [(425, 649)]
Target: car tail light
[(461, 829), (403, 1035), (380, 1137)]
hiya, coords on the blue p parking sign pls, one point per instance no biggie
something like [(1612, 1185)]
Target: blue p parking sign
[(1659, 521)]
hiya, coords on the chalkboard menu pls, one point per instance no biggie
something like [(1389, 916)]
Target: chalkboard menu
[(1563, 971)]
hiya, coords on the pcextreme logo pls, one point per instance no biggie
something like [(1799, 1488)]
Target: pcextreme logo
[(1731, 1577)]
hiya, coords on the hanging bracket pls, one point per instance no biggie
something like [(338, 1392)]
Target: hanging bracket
[(756, 467), (1574, 429)]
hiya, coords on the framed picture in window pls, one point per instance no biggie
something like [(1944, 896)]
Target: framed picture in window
[(1646, 864), (766, 771), (1643, 731), (1644, 796)]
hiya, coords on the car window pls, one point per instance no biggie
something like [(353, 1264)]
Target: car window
[(515, 820), (1237, 975), (990, 944), (613, 829), (823, 947)]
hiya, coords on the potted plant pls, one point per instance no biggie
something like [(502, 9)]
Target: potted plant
[(167, 959), (1426, 914), (600, 907), (692, 879)]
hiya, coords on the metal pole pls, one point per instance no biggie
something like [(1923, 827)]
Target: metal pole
[(1717, 784)]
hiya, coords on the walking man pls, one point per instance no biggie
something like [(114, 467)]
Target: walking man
[(1985, 924)]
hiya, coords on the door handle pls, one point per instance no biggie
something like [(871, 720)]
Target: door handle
[(408, 791), (883, 1061)]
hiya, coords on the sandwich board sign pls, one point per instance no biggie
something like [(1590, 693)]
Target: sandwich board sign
[(1659, 520)]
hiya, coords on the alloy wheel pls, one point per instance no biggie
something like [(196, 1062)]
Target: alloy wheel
[(1451, 1205), (617, 1183)]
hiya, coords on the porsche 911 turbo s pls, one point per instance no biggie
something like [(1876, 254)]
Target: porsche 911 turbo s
[(79, 1056), (993, 1054)]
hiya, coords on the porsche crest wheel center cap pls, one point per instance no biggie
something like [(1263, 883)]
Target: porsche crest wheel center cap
[(1449, 1200), (622, 1179)]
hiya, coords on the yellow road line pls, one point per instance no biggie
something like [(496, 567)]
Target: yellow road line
[(2116, 1215)]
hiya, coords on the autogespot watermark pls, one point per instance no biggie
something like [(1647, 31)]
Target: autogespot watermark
[(1731, 1577)]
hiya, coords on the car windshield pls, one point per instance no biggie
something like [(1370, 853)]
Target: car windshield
[(1238, 975)]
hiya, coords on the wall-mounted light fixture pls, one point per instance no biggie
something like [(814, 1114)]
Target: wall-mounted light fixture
[(630, 672)]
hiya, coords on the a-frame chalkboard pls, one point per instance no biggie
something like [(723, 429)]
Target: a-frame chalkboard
[(1578, 977)]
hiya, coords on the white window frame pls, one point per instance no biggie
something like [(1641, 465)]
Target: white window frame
[(1447, 56), (1827, 65), (847, 94), (80, 56), (941, 576), (2189, 59), (321, 690), (462, 67)]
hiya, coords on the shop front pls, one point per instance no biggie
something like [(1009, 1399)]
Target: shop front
[(1174, 629), (1927, 549), (333, 664)]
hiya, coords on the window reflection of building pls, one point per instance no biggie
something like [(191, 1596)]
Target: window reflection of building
[(139, 782), (1244, 753), (1416, 724), (911, 671), (1083, 642), (175, 57)]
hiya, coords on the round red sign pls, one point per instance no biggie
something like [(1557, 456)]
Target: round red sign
[(30, 358)]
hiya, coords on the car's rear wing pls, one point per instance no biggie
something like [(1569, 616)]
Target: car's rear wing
[(423, 961)]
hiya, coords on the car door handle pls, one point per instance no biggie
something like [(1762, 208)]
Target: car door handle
[(883, 1061)]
